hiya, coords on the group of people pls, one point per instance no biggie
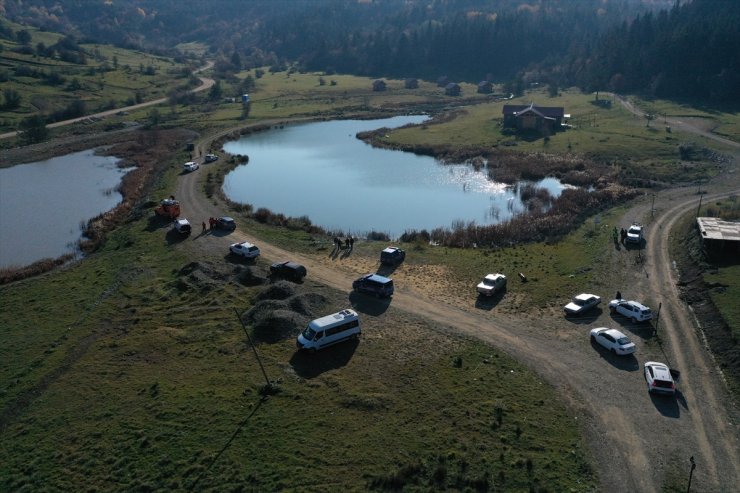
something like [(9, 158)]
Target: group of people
[(211, 224), (349, 243), (622, 235)]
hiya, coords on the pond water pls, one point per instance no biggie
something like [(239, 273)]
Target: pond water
[(43, 204), (321, 170)]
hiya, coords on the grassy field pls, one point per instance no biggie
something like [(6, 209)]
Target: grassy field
[(130, 371), (111, 77)]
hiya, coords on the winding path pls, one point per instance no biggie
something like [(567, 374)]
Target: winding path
[(205, 83), (638, 441)]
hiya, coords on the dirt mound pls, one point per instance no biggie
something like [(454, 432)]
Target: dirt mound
[(307, 304), (281, 290), (205, 276), (248, 277), (273, 319), (276, 325)]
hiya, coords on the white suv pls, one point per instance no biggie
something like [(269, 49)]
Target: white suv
[(659, 378), (636, 312), (245, 249), (634, 233)]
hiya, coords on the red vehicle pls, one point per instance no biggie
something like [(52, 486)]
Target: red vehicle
[(168, 208)]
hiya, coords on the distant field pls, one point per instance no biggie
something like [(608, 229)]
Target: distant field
[(111, 77)]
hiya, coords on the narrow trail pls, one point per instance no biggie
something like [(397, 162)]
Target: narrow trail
[(607, 395), (205, 83)]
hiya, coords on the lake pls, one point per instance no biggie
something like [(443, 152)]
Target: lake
[(43, 204), (321, 170)]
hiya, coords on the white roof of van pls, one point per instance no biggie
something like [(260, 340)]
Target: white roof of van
[(333, 318)]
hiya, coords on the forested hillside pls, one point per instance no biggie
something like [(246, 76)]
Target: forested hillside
[(666, 48)]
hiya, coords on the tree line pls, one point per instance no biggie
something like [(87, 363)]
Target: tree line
[(666, 48)]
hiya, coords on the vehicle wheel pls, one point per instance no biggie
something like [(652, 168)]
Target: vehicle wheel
[(312, 350), (613, 351), (633, 320), (612, 309)]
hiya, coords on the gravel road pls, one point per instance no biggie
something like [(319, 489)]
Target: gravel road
[(635, 439)]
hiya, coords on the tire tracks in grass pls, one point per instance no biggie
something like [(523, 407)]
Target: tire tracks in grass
[(15, 408)]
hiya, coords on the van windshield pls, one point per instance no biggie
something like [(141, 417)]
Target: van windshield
[(309, 333)]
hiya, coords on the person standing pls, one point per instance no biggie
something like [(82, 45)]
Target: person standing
[(619, 295), (204, 227)]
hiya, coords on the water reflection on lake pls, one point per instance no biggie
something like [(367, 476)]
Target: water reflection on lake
[(323, 171), (42, 204)]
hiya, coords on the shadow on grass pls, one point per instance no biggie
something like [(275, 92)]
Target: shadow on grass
[(173, 237), (387, 269), (624, 363), (226, 446), (644, 330), (156, 222), (489, 302), (235, 259), (221, 232), (667, 405), (587, 318), (368, 305), (629, 246), (311, 365)]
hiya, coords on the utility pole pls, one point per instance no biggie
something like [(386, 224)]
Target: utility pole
[(699, 208), (267, 380)]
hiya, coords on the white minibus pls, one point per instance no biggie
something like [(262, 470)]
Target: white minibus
[(329, 330)]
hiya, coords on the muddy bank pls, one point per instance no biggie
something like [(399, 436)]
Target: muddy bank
[(694, 291)]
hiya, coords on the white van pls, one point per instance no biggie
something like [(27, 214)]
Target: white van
[(329, 330)]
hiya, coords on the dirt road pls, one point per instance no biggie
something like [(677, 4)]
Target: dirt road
[(205, 83), (638, 442)]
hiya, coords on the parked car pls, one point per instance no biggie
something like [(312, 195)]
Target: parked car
[(182, 226), (581, 304), (190, 166), (226, 223), (392, 256), (634, 234), (374, 284), (636, 312), (245, 249), (289, 270), (613, 340), (659, 378), (210, 158), (492, 284)]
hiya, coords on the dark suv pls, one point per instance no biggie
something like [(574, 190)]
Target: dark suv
[(288, 270), (392, 256), (226, 223), (375, 284)]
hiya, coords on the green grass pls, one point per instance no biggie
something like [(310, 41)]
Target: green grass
[(140, 378), (121, 84), (726, 299), (609, 135)]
